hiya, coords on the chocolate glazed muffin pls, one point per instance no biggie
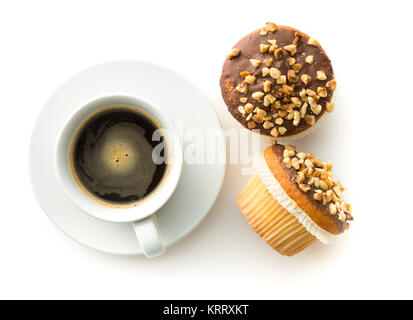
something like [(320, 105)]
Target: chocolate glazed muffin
[(278, 80), (293, 200)]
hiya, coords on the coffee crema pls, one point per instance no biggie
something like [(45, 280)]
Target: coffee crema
[(111, 156)]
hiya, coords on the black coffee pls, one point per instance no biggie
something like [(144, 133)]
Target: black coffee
[(112, 156)]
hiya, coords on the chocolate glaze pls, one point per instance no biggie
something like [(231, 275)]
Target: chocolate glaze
[(278, 150), (249, 49)]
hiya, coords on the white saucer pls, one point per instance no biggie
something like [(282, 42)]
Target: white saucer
[(179, 100)]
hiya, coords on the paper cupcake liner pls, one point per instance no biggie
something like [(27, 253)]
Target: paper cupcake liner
[(278, 193), (272, 222)]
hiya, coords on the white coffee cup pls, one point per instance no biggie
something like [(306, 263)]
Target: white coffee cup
[(141, 215)]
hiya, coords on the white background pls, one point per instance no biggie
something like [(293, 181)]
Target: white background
[(43, 43)]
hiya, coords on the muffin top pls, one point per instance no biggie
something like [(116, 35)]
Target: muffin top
[(278, 80), (309, 182)]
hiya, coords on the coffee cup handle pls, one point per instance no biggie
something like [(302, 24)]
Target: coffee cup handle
[(149, 236)]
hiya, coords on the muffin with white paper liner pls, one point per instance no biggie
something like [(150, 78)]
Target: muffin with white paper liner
[(293, 200)]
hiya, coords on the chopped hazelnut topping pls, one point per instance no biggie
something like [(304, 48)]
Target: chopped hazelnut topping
[(255, 63), (271, 26), (243, 99), (258, 118), (325, 200), (242, 87), (308, 163), (297, 118), (300, 177), (274, 132), (264, 47), (297, 164), (297, 67), (322, 92), (282, 130), (337, 191), (275, 106), (309, 59), (291, 148), (268, 125), (312, 102), (278, 53), (304, 187), (321, 75), (275, 73), (306, 79), (268, 62), (328, 166), (332, 84), (342, 216), (301, 155), (296, 101), (288, 89), (303, 110), (310, 93), (329, 194), (316, 109), (292, 49), (297, 39), (249, 107), (273, 46), (267, 86), (233, 53), (312, 42), (257, 95), (287, 161), (329, 107), (318, 196), (251, 125), (241, 110), (323, 185), (244, 73), (292, 76), (291, 61), (290, 115), (250, 79), (279, 121), (265, 71), (268, 100), (309, 120), (288, 153), (263, 31)]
